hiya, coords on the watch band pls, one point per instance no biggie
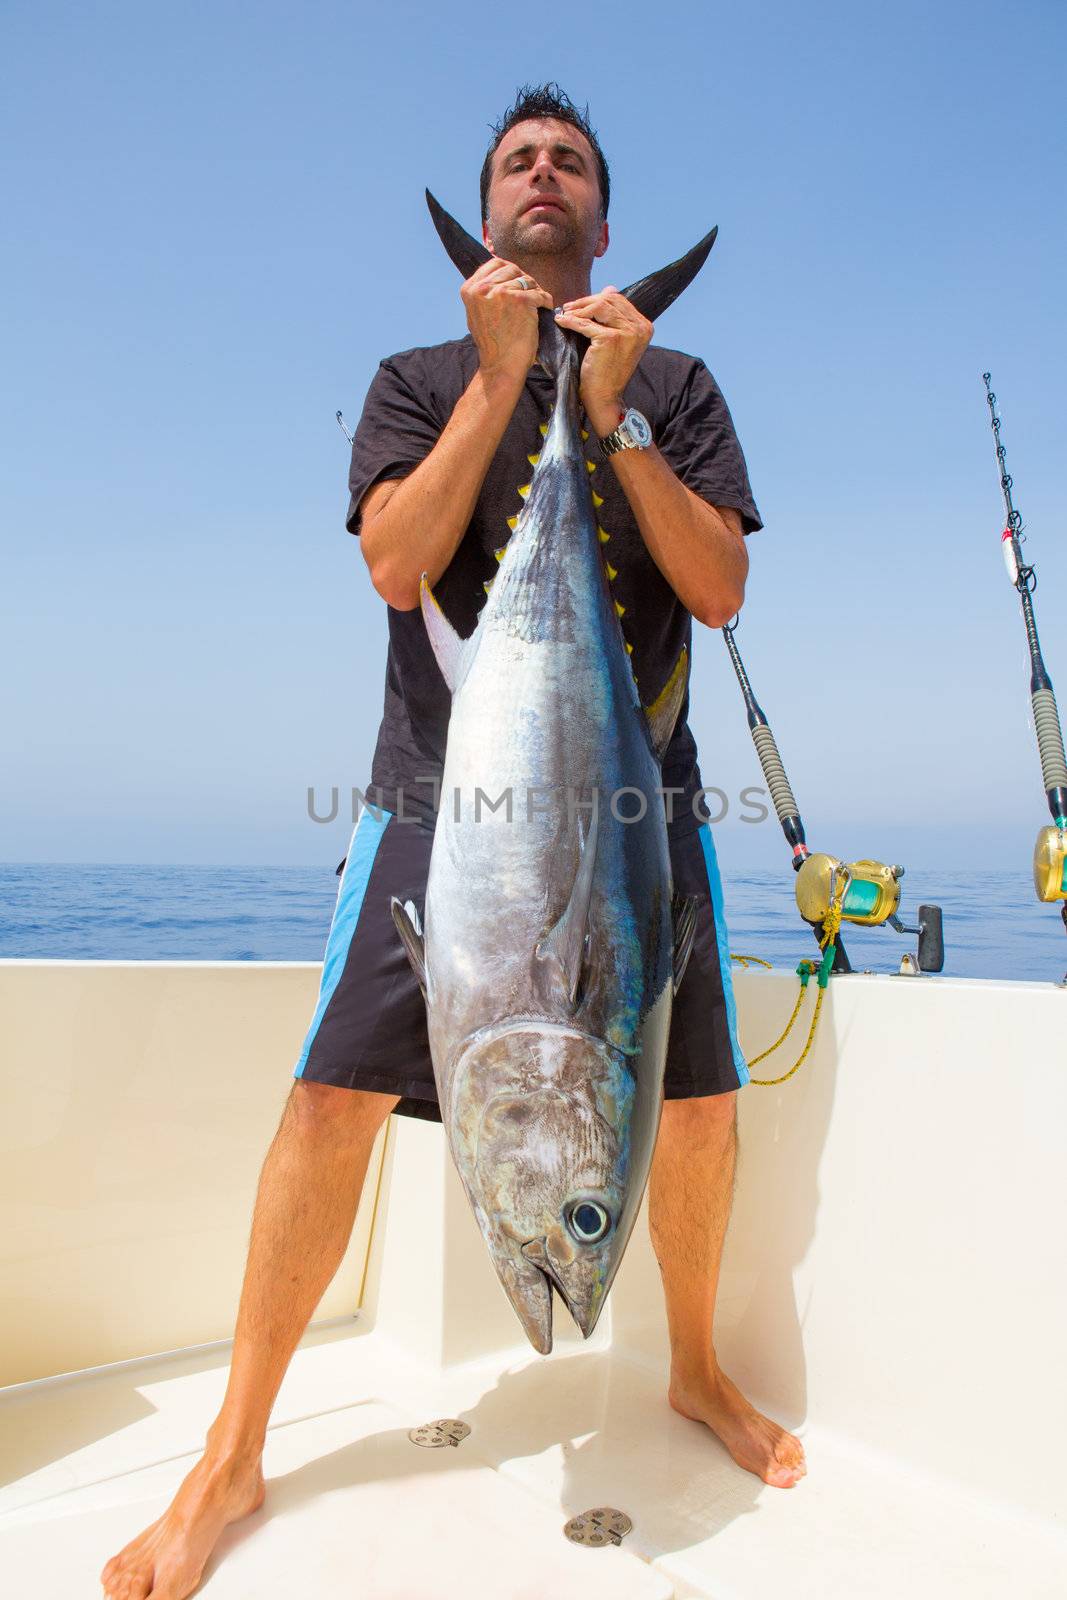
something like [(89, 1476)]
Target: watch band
[(620, 438)]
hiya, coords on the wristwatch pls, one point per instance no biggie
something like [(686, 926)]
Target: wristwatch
[(633, 433)]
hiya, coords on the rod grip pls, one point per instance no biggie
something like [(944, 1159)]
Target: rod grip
[(1049, 738), (774, 772)]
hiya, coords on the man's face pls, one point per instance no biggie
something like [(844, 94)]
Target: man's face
[(544, 194)]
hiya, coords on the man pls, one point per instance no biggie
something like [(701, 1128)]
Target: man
[(438, 458)]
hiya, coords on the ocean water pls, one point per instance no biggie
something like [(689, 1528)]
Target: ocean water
[(993, 925)]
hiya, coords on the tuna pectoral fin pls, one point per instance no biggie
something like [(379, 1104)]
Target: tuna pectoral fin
[(446, 643), (406, 919), (652, 295), (560, 953), (530, 1293), (684, 914), (662, 714)]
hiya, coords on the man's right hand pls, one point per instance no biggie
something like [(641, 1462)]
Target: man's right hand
[(502, 318)]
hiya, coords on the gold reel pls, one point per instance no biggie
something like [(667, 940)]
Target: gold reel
[(1050, 864), (871, 890)]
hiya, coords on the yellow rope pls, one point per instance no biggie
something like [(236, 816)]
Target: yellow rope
[(766, 1083), (805, 971)]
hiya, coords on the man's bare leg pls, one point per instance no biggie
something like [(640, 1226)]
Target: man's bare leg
[(690, 1191), (306, 1204)]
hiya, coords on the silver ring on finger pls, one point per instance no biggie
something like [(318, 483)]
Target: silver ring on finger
[(523, 283)]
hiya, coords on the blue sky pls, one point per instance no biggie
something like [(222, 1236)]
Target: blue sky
[(215, 229)]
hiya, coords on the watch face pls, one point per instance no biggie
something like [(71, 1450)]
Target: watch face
[(635, 423)]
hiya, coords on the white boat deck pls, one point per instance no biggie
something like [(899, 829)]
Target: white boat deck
[(893, 1291), (353, 1506)]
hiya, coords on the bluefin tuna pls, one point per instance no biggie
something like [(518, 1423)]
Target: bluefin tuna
[(551, 943)]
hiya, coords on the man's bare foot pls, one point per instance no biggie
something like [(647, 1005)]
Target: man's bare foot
[(166, 1560), (754, 1441)]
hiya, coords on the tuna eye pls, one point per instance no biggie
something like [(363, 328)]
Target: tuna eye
[(589, 1222)]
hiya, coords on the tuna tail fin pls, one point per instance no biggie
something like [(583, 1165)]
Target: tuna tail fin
[(467, 254), (562, 950), (652, 295), (663, 713)]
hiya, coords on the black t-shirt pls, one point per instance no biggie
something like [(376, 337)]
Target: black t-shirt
[(408, 405)]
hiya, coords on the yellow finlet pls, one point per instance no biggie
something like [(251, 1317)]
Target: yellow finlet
[(499, 555), (542, 429), (611, 571), (585, 433), (591, 466), (488, 584), (598, 499), (620, 611), (602, 536), (524, 489), (512, 523), (629, 649), (533, 460)]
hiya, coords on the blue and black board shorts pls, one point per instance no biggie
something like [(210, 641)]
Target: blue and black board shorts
[(369, 1027)]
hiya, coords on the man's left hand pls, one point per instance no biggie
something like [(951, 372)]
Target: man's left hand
[(618, 337)]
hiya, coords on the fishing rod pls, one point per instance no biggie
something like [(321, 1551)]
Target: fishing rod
[(1050, 851), (862, 892)]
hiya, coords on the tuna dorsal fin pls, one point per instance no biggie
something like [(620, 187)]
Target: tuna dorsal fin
[(652, 295), (562, 950), (447, 644), (406, 919), (684, 917), (465, 253), (662, 714)]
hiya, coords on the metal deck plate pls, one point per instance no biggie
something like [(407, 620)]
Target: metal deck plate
[(602, 1526), (436, 1435)]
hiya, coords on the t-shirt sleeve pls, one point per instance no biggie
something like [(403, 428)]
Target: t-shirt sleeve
[(700, 443), (395, 432)]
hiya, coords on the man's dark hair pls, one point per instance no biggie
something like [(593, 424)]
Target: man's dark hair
[(544, 100)]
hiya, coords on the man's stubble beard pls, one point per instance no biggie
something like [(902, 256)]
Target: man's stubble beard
[(515, 241)]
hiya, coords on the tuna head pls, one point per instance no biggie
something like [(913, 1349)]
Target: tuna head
[(552, 1137)]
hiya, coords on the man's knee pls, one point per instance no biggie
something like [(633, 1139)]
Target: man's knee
[(336, 1110)]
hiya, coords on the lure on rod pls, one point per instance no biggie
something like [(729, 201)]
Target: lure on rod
[(863, 892), (1050, 852)]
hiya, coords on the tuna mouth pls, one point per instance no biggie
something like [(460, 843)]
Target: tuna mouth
[(535, 1251), (529, 1289)]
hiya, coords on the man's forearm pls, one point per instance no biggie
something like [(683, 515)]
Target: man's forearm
[(420, 526), (700, 554), (699, 550)]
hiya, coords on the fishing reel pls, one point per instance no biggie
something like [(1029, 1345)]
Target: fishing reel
[(867, 893), (1050, 864)]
